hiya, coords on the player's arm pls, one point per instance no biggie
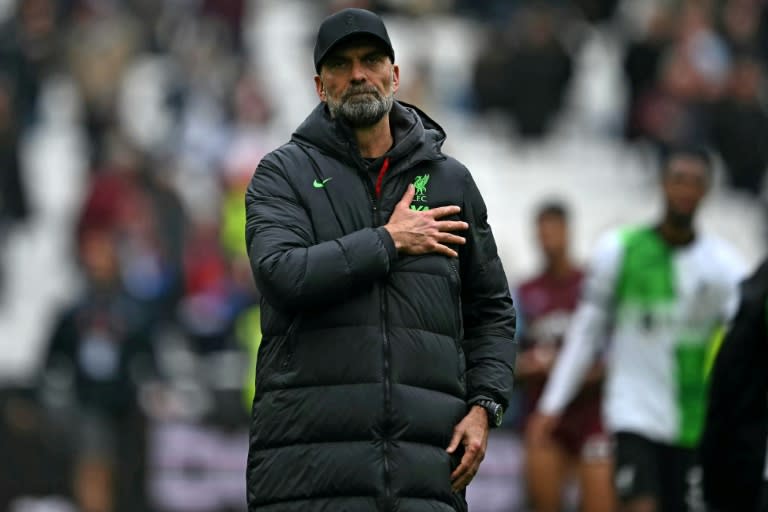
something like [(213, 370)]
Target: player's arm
[(586, 330), (734, 271), (290, 268)]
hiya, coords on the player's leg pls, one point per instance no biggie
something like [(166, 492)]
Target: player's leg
[(546, 470), (640, 504), (93, 485), (94, 473), (636, 473), (595, 471)]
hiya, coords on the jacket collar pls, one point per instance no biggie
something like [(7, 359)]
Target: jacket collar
[(417, 137)]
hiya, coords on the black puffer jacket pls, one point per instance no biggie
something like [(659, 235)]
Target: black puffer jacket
[(733, 444), (368, 358)]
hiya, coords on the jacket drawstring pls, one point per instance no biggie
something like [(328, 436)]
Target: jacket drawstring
[(382, 172)]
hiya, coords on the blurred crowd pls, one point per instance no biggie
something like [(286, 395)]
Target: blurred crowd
[(694, 72), (142, 396)]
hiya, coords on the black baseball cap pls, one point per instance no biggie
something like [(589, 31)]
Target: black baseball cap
[(346, 24)]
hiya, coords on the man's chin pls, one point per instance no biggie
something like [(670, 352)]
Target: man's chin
[(363, 118), (360, 99), (359, 122)]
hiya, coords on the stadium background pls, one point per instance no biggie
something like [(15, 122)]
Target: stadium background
[(129, 129)]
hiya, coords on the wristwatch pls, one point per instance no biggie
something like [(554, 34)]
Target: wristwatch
[(495, 411)]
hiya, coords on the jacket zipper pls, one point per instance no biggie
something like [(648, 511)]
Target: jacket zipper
[(385, 345)]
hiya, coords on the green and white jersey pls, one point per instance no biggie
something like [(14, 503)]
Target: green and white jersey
[(660, 307)]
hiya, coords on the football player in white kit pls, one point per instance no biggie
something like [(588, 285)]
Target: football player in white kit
[(659, 293)]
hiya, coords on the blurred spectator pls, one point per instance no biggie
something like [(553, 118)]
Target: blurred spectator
[(102, 42), (579, 446), (596, 11), (524, 75), (642, 63), (492, 12), (702, 47), (101, 348), (740, 20), (35, 461), (740, 126), (13, 203), (147, 220), (671, 113), (231, 13), (206, 313), (691, 71), (29, 53)]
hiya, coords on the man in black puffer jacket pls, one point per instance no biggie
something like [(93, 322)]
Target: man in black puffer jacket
[(734, 441), (387, 324)]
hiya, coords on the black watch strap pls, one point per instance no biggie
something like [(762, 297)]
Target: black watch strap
[(493, 409)]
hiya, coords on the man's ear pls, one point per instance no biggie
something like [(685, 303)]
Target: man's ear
[(320, 88), (395, 78)]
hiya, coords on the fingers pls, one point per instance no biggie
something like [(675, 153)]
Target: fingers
[(455, 440), (405, 201), (467, 469), (441, 211), (446, 251), (452, 225), (449, 238), (463, 481)]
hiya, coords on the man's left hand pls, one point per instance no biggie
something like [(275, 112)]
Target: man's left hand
[(472, 433)]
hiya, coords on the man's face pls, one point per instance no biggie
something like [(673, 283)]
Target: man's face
[(685, 184), (552, 233), (358, 82)]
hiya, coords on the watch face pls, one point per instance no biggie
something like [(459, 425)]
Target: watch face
[(498, 415)]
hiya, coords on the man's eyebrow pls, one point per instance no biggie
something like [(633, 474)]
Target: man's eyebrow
[(336, 57)]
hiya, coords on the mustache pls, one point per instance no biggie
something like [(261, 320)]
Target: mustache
[(360, 89)]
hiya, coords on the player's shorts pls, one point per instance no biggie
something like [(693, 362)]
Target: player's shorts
[(580, 431), (670, 474)]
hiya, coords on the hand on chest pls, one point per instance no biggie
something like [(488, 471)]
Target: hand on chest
[(346, 199)]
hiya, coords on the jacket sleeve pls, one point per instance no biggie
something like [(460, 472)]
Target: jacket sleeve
[(291, 270), (587, 329), (487, 309)]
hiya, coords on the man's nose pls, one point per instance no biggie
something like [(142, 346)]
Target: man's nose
[(358, 72)]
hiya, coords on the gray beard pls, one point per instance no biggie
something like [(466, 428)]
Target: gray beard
[(360, 112)]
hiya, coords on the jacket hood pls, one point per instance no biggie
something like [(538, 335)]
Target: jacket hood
[(417, 137)]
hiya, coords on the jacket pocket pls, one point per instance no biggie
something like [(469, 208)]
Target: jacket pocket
[(288, 347), (462, 364), (276, 354), (456, 282)]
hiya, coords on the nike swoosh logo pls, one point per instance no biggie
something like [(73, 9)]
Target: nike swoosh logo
[(321, 184)]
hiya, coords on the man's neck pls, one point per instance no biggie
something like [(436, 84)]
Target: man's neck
[(676, 234), (375, 140), (559, 268)]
